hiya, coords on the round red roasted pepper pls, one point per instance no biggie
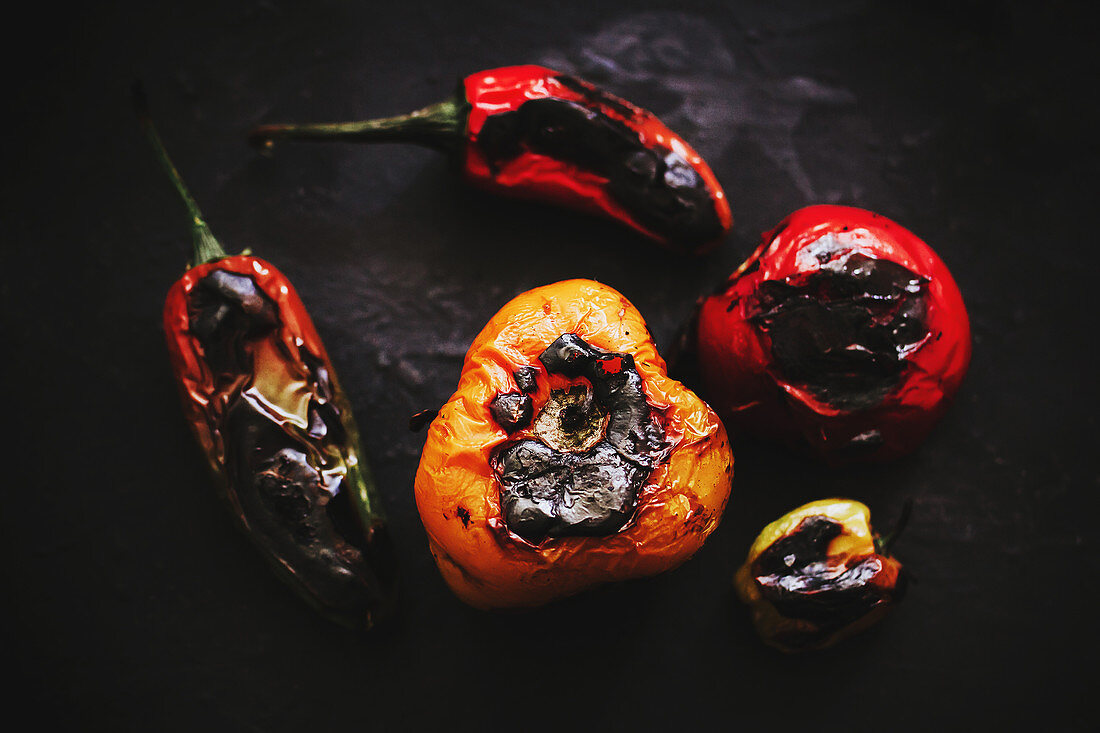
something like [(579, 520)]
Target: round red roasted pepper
[(261, 397), (567, 457), (530, 132), (843, 331)]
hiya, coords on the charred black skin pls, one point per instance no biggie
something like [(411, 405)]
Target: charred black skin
[(877, 304), (226, 310), (279, 493), (512, 410), (526, 379), (657, 186), (548, 492), (794, 574)]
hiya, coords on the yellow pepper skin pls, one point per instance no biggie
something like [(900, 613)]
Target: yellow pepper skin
[(566, 383), (818, 575)]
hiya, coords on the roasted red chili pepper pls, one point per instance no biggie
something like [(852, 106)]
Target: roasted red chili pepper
[(534, 133), (843, 330), (566, 457), (818, 575), (262, 399)]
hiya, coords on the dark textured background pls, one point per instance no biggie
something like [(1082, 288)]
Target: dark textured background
[(133, 603)]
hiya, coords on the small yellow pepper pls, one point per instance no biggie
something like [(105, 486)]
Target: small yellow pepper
[(818, 575)]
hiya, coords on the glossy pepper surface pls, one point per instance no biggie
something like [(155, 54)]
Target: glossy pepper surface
[(567, 457), (534, 133), (261, 397), (843, 331), (818, 575)]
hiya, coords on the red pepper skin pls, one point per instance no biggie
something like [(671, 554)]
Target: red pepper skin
[(794, 268), (542, 176), (261, 396), (533, 133), (288, 390)]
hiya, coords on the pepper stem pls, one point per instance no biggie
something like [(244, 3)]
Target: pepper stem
[(441, 126), (883, 544), (206, 247)]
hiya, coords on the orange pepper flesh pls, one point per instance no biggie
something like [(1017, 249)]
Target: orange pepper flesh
[(458, 494)]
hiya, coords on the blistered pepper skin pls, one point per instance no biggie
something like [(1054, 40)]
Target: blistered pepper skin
[(821, 590), (534, 133), (261, 397), (522, 350), (590, 151), (843, 332)]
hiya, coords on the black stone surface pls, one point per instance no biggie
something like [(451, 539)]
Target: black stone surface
[(132, 602)]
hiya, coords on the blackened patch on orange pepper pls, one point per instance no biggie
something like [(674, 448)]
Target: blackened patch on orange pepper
[(526, 379), (511, 410), (464, 515), (550, 490)]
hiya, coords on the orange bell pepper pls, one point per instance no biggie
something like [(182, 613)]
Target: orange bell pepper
[(567, 457)]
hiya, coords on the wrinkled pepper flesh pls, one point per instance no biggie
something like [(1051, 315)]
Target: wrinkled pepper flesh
[(843, 332), (534, 133), (818, 575), (261, 397), (566, 457)]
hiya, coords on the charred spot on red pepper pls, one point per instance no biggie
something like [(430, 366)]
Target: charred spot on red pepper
[(511, 410), (596, 96), (659, 188), (463, 514), (843, 330), (590, 451), (796, 574), (224, 310), (298, 513)]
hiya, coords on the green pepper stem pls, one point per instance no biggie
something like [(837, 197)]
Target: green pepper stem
[(440, 126), (205, 245), (883, 544)]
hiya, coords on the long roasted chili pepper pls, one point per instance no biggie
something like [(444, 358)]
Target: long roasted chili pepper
[(843, 331), (818, 575), (261, 397), (566, 457), (534, 133)]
